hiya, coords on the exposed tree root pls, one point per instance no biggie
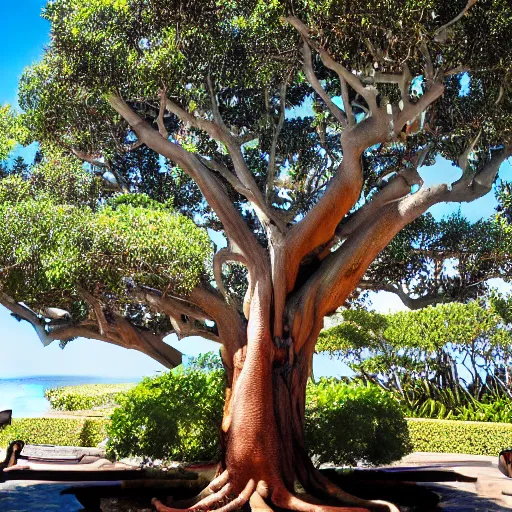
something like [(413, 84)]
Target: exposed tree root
[(215, 501), (284, 499), (333, 491), (218, 496)]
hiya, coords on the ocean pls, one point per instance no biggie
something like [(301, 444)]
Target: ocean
[(25, 395)]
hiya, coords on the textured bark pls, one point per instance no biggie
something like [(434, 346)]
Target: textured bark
[(265, 456)]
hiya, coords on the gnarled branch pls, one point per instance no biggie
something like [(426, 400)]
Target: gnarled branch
[(121, 333), (317, 86), (235, 228), (442, 29)]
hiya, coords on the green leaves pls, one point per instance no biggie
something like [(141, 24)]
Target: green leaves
[(350, 424), (59, 238), (447, 260), (84, 397), (175, 416), (57, 431), (420, 355), (459, 437), (11, 131)]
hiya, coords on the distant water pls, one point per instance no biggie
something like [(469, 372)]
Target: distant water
[(25, 396)]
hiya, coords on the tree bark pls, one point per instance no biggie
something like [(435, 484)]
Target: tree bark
[(265, 454)]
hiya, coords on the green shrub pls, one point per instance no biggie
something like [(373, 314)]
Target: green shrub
[(347, 424), (470, 437), (178, 415), (63, 432), (79, 398), (175, 416)]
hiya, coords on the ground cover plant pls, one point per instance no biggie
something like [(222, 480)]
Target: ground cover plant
[(83, 397), (196, 104)]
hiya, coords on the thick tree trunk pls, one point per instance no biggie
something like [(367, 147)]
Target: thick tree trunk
[(265, 456), (265, 416)]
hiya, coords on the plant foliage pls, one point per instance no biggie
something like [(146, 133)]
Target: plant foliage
[(57, 431), (448, 361), (445, 436), (351, 424), (176, 416), (85, 397)]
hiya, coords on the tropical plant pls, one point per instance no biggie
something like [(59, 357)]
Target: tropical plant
[(450, 361)]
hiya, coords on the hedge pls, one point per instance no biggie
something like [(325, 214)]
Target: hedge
[(57, 431), (452, 436), (84, 397)]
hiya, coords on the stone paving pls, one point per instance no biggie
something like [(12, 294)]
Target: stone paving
[(484, 495)]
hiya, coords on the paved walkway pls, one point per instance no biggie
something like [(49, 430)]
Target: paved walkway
[(484, 495)]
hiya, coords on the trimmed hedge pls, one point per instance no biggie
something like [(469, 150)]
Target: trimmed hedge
[(63, 432), (426, 435), (80, 398), (452, 436)]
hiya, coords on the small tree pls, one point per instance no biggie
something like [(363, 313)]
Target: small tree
[(305, 202), (418, 354)]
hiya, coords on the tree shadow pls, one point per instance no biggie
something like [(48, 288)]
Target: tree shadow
[(419, 496)]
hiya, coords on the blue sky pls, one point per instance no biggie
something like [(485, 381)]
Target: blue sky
[(24, 35)]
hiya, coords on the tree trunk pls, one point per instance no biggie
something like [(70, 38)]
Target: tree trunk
[(265, 456)]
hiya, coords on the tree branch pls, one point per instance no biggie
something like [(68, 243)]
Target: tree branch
[(398, 187), (121, 333), (277, 131), (235, 228), (457, 18), (346, 102), (160, 120), (369, 94), (221, 133), (93, 160), (215, 104), (463, 159), (98, 311), (317, 86), (413, 110), (225, 255), (22, 312), (409, 301), (342, 270)]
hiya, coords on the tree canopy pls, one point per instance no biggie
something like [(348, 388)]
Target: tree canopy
[(287, 81), (296, 128), (68, 245)]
